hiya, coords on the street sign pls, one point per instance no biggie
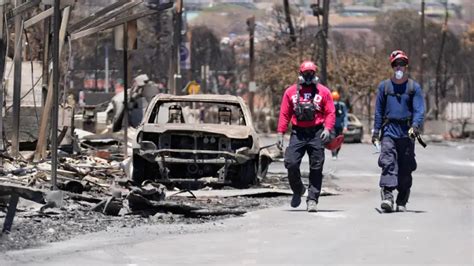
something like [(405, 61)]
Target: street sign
[(185, 55), (252, 86)]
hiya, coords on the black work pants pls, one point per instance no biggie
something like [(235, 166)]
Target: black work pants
[(304, 140)]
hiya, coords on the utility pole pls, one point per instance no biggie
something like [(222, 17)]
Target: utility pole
[(291, 28), (324, 59), (2, 69), (422, 47), (174, 72), (17, 83), (440, 56), (251, 85), (54, 118)]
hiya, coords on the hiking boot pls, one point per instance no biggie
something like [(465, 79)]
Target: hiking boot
[(312, 206), (387, 200), (401, 208), (296, 199)]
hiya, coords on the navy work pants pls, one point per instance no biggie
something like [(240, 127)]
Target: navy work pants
[(304, 140), (397, 160)]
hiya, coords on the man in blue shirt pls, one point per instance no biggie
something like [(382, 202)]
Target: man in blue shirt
[(399, 115)]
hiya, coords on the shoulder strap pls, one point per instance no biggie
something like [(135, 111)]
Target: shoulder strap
[(315, 90), (411, 93), (410, 87), (388, 90), (297, 92), (387, 87)]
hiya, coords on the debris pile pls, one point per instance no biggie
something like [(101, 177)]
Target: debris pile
[(102, 186)]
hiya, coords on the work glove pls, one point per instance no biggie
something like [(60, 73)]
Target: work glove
[(413, 132), (280, 141), (325, 135), (375, 137)]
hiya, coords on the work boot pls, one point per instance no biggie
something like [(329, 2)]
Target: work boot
[(387, 200), (296, 200), (312, 206), (402, 197), (401, 208)]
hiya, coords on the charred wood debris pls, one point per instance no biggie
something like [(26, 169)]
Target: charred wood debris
[(96, 180), (92, 178)]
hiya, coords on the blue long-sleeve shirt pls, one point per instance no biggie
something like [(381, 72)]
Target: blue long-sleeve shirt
[(399, 108)]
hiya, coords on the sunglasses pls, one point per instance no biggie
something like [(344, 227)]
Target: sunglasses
[(399, 63)]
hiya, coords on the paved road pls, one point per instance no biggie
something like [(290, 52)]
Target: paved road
[(348, 229)]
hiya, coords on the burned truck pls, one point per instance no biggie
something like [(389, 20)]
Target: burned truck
[(198, 139)]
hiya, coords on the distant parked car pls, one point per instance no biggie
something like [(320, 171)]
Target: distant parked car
[(355, 129)]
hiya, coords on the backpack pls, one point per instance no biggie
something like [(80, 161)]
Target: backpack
[(305, 111), (388, 88), (389, 91), (339, 110)]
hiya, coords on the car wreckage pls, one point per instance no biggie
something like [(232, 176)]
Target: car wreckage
[(199, 139)]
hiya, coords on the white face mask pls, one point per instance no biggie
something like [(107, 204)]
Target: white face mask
[(398, 74)]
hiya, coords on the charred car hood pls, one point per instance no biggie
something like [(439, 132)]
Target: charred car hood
[(230, 131)]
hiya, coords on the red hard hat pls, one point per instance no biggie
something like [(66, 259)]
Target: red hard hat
[(308, 66), (398, 54), (335, 143)]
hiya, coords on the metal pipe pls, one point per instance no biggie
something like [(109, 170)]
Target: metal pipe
[(54, 114), (125, 89), (2, 68), (17, 84)]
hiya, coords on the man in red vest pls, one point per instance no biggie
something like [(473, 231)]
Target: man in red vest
[(309, 107)]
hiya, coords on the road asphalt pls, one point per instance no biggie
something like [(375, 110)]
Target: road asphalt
[(348, 229)]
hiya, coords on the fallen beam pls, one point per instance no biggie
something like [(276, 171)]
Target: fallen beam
[(22, 8), (41, 16), (82, 23), (117, 22), (80, 197), (112, 15), (28, 193)]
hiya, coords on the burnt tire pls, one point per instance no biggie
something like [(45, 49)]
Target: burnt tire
[(246, 175), (144, 170)]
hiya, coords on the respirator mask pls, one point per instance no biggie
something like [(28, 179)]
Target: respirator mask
[(308, 78), (399, 74)]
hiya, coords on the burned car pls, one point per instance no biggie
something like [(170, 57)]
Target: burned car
[(198, 138)]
